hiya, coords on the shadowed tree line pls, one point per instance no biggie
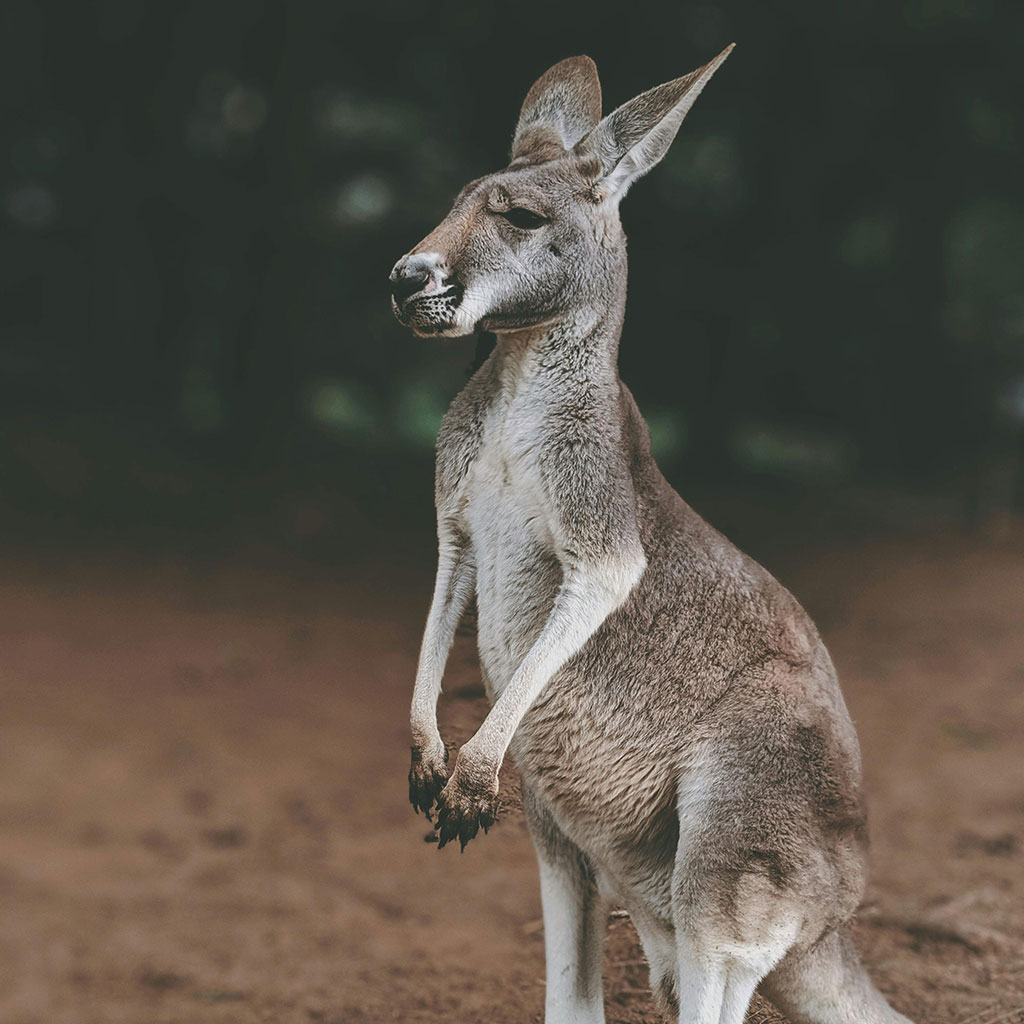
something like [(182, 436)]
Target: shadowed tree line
[(202, 203)]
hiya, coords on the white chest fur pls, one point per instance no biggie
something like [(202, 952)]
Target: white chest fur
[(510, 518)]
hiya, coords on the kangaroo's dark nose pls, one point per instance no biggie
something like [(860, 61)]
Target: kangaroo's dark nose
[(406, 285), (407, 281)]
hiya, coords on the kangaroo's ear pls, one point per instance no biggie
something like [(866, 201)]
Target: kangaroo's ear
[(563, 105), (632, 139)]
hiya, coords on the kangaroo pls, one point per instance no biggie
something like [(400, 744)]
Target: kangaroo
[(684, 748)]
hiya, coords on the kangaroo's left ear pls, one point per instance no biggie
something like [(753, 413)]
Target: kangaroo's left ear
[(563, 105), (632, 139)]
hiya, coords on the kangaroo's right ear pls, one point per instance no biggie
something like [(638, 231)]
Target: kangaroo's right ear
[(563, 105), (633, 138)]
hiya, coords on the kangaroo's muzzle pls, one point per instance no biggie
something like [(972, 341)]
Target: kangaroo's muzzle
[(423, 295)]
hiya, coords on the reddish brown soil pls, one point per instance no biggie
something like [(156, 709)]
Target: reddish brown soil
[(203, 811)]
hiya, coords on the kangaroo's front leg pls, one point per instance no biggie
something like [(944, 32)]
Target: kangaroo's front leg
[(590, 592), (456, 577)]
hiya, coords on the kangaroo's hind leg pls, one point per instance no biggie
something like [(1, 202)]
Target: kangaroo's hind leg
[(575, 922), (729, 933), (714, 986), (827, 985), (733, 921), (657, 939)]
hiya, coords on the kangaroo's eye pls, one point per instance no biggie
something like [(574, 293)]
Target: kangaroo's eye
[(519, 217)]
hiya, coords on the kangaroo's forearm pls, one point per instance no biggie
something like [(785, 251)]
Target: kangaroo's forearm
[(587, 597), (453, 588)]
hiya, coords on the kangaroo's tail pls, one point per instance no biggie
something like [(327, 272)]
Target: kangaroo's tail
[(827, 985)]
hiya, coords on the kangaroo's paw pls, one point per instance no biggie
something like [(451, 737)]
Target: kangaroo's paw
[(465, 806), (427, 777)]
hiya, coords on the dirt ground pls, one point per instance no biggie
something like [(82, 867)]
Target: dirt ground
[(203, 809)]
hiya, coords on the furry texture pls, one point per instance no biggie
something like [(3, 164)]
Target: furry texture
[(683, 744), (563, 106)]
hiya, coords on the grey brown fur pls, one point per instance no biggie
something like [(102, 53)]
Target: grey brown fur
[(684, 748)]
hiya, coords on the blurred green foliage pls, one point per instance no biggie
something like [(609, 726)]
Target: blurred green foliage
[(202, 203)]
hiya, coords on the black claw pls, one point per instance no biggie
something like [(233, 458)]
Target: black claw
[(446, 827), (416, 798), (425, 786), (448, 831)]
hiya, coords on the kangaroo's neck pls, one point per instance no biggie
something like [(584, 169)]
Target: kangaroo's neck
[(573, 351)]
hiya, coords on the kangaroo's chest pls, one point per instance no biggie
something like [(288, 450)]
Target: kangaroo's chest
[(510, 517)]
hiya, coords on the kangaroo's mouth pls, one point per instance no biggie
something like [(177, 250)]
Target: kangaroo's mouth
[(430, 312), (453, 292)]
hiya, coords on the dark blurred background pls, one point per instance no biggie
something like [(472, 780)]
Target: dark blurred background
[(201, 203)]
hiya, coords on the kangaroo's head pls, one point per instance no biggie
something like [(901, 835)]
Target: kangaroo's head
[(541, 240)]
